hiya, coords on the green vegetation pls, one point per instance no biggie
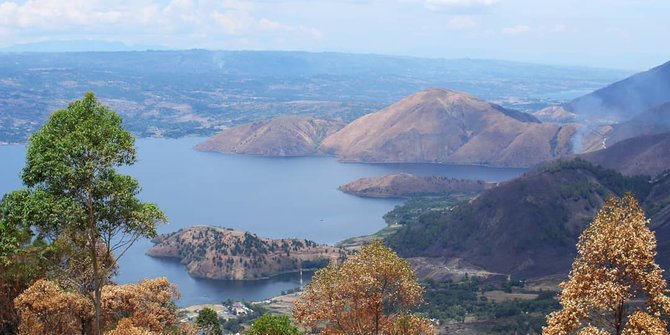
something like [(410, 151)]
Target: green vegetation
[(466, 302), (76, 206), (208, 322), (273, 325), (236, 325), (415, 208), (640, 186)]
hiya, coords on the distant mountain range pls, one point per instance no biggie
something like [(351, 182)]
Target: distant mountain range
[(636, 106), (627, 98), (444, 126), (450, 127), (174, 93), (431, 126), (77, 46)]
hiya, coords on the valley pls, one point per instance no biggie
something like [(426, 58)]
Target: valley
[(493, 198), (199, 92)]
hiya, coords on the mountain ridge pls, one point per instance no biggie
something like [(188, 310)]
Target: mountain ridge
[(445, 126), (528, 227)]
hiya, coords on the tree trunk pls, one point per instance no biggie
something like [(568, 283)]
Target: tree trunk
[(97, 329)]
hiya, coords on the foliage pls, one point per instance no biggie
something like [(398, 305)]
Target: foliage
[(450, 301), (364, 295), (415, 208), (23, 258), (45, 308), (143, 308), (640, 186), (208, 322), (235, 325), (76, 196), (272, 325), (148, 304), (614, 266)]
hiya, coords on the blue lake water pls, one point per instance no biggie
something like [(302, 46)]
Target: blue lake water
[(271, 197)]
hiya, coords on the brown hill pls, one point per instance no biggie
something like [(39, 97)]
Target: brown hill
[(220, 253), (626, 98), (653, 121), (444, 126), (287, 135), (529, 226), (407, 185), (644, 155)]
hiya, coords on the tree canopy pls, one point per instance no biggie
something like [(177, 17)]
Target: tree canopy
[(208, 322), (615, 285), (76, 199), (273, 325), (372, 292)]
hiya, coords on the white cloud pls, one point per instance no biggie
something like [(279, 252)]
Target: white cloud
[(439, 4), (457, 5), (515, 30), (560, 28), (185, 18), (462, 22)]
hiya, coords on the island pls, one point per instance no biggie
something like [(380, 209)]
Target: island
[(224, 253), (405, 185)]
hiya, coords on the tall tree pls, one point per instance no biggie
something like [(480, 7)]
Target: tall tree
[(370, 293), (615, 286), (75, 194), (208, 322)]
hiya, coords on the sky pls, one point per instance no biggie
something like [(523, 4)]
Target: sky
[(625, 34)]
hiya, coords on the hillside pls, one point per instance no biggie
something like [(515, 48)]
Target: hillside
[(287, 135), (406, 185), (626, 98), (653, 121), (444, 126), (644, 155), (527, 227), (220, 253)]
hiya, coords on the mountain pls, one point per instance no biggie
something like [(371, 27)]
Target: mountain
[(175, 93), (221, 253), (652, 121), (626, 98), (287, 135), (643, 155), (404, 185), (528, 227), (445, 126), (71, 46)]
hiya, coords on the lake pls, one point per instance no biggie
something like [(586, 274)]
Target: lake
[(271, 197)]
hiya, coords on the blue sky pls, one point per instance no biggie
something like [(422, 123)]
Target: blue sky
[(628, 34)]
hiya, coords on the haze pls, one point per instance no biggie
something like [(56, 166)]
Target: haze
[(625, 34)]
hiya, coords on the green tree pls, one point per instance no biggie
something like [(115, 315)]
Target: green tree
[(74, 194), (209, 322), (24, 258), (273, 325)]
